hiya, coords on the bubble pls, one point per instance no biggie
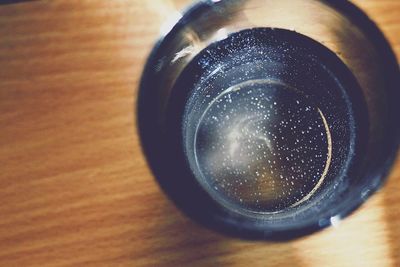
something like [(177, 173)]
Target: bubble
[(257, 130), (266, 174)]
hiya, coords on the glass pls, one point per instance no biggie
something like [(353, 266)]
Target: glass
[(270, 119)]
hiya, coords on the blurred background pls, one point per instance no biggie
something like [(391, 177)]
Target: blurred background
[(75, 189)]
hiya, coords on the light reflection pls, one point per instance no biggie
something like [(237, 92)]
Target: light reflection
[(335, 221), (220, 35)]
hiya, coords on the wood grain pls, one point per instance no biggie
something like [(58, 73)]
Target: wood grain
[(75, 189)]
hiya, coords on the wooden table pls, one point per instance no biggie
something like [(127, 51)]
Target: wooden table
[(75, 189)]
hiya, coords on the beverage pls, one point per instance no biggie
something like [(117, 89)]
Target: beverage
[(262, 145), (268, 123)]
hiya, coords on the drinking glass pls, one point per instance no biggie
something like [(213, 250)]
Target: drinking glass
[(270, 119)]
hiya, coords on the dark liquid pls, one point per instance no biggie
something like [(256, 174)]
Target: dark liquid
[(267, 125)]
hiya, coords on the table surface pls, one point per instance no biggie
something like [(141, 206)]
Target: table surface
[(75, 189)]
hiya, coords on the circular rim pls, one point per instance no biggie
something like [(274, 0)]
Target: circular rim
[(216, 219)]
